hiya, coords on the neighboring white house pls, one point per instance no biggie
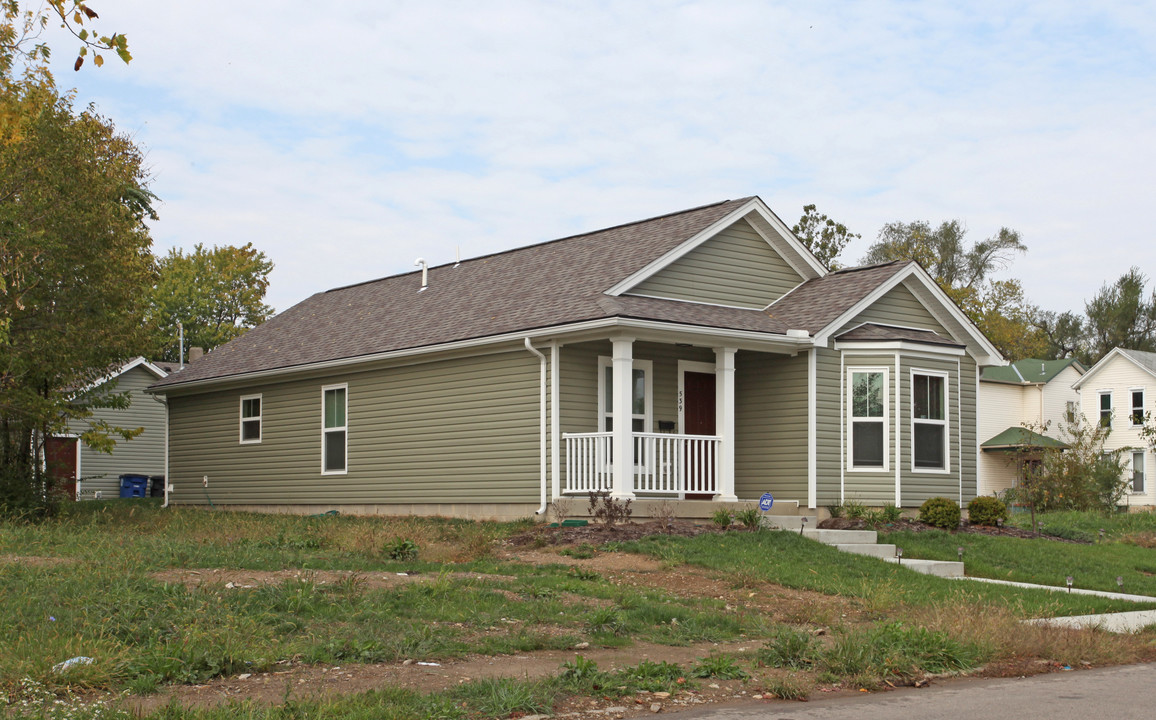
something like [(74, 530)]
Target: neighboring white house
[(1119, 391), (87, 472), (1025, 393)]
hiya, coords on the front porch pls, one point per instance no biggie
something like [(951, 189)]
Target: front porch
[(692, 421)]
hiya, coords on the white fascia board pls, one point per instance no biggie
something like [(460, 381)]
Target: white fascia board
[(905, 346), (1115, 352), (803, 261), (745, 337), (131, 364), (754, 206), (942, 308)]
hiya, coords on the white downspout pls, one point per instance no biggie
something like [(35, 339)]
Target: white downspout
[(541, 423), (168, 485)]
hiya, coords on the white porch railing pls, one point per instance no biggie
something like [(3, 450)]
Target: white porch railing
[(663, 464)]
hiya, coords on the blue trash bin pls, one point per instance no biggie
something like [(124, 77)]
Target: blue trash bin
[(133, 486)]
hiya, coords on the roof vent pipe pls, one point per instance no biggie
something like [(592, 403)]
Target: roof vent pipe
[(420, 262), (458, 256)]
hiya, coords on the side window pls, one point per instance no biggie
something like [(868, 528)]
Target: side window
[(334, 429), (250, 419), (867, 420), (929, 430), (1137, 414), (640, 394), (1106, 408), (1137, 472)]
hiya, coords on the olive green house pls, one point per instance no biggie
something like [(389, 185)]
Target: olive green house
[(705, 354)]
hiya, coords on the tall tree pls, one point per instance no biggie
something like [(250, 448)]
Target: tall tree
[(20, 31), (1121, 316), (216, 294), (998, 307), (823, 236), (76, 266)]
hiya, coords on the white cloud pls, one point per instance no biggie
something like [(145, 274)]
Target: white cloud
[(347, 141)]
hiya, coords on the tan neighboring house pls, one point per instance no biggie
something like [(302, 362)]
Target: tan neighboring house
[(1120, 391), (704, 354), (90, 474), (1014, 397)]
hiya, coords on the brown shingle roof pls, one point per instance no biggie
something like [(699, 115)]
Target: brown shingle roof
[(869, 332), (817, 303), (562, 281)]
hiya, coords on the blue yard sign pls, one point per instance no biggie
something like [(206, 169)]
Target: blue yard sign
[(765, 502)]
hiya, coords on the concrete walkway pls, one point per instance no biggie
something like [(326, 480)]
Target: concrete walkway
[(1122, 622)]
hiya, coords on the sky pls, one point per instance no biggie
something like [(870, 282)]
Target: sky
[(347, 139)]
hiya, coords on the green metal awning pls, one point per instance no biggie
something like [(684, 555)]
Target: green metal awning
[(1018, 438)]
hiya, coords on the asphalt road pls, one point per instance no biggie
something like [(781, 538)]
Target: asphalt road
[(1120, 693)]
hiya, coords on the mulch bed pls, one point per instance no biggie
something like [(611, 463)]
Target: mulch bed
[(597, 534)]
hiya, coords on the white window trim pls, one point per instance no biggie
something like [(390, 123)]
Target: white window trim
[(1100, 407), (850, 400), (259, 418), (946, 422), (344, 428), (647, 367), (1132, 407), (1144, 474)]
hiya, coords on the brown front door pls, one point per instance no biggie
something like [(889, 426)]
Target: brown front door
[(60, 464), (698, 419)]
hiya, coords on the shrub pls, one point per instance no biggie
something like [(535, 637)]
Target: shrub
[(401, 549), (940, 512), (721, 518), (607, 510), (836, 511), (750, 517), (854, 509), (986, 510)]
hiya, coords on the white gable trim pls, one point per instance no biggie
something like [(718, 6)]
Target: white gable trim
[(1116, 352), (131, 364), (932, 297), (798, 257)]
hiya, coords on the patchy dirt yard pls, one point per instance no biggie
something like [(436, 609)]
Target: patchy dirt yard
[(543, 545)]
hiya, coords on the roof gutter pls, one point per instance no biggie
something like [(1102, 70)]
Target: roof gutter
[(541, 423), (789, 341)]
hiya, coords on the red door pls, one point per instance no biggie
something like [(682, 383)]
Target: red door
[(60, 464), (698, 419)]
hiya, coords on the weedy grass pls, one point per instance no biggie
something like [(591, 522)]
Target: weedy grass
[(1086, 526), (787, 559), (1042, 562)]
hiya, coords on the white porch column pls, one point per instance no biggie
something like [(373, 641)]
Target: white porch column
[(724, 410), (622, 393)]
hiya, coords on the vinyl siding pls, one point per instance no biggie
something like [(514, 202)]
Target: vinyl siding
[(453, 431), (916, 486), (1001, 407), (771, 426), (142, 455), (736, 267), (897, 307), (1121, 376), (828, 426)]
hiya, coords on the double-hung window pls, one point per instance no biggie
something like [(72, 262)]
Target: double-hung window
[(867, 420), (250, 419), (334, 429), (929, 425), (1105, 408), (1137, 414), (1137, 472)]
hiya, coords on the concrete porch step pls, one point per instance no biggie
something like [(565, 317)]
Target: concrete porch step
[(885, 552), (841, 537), (939, 568)]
